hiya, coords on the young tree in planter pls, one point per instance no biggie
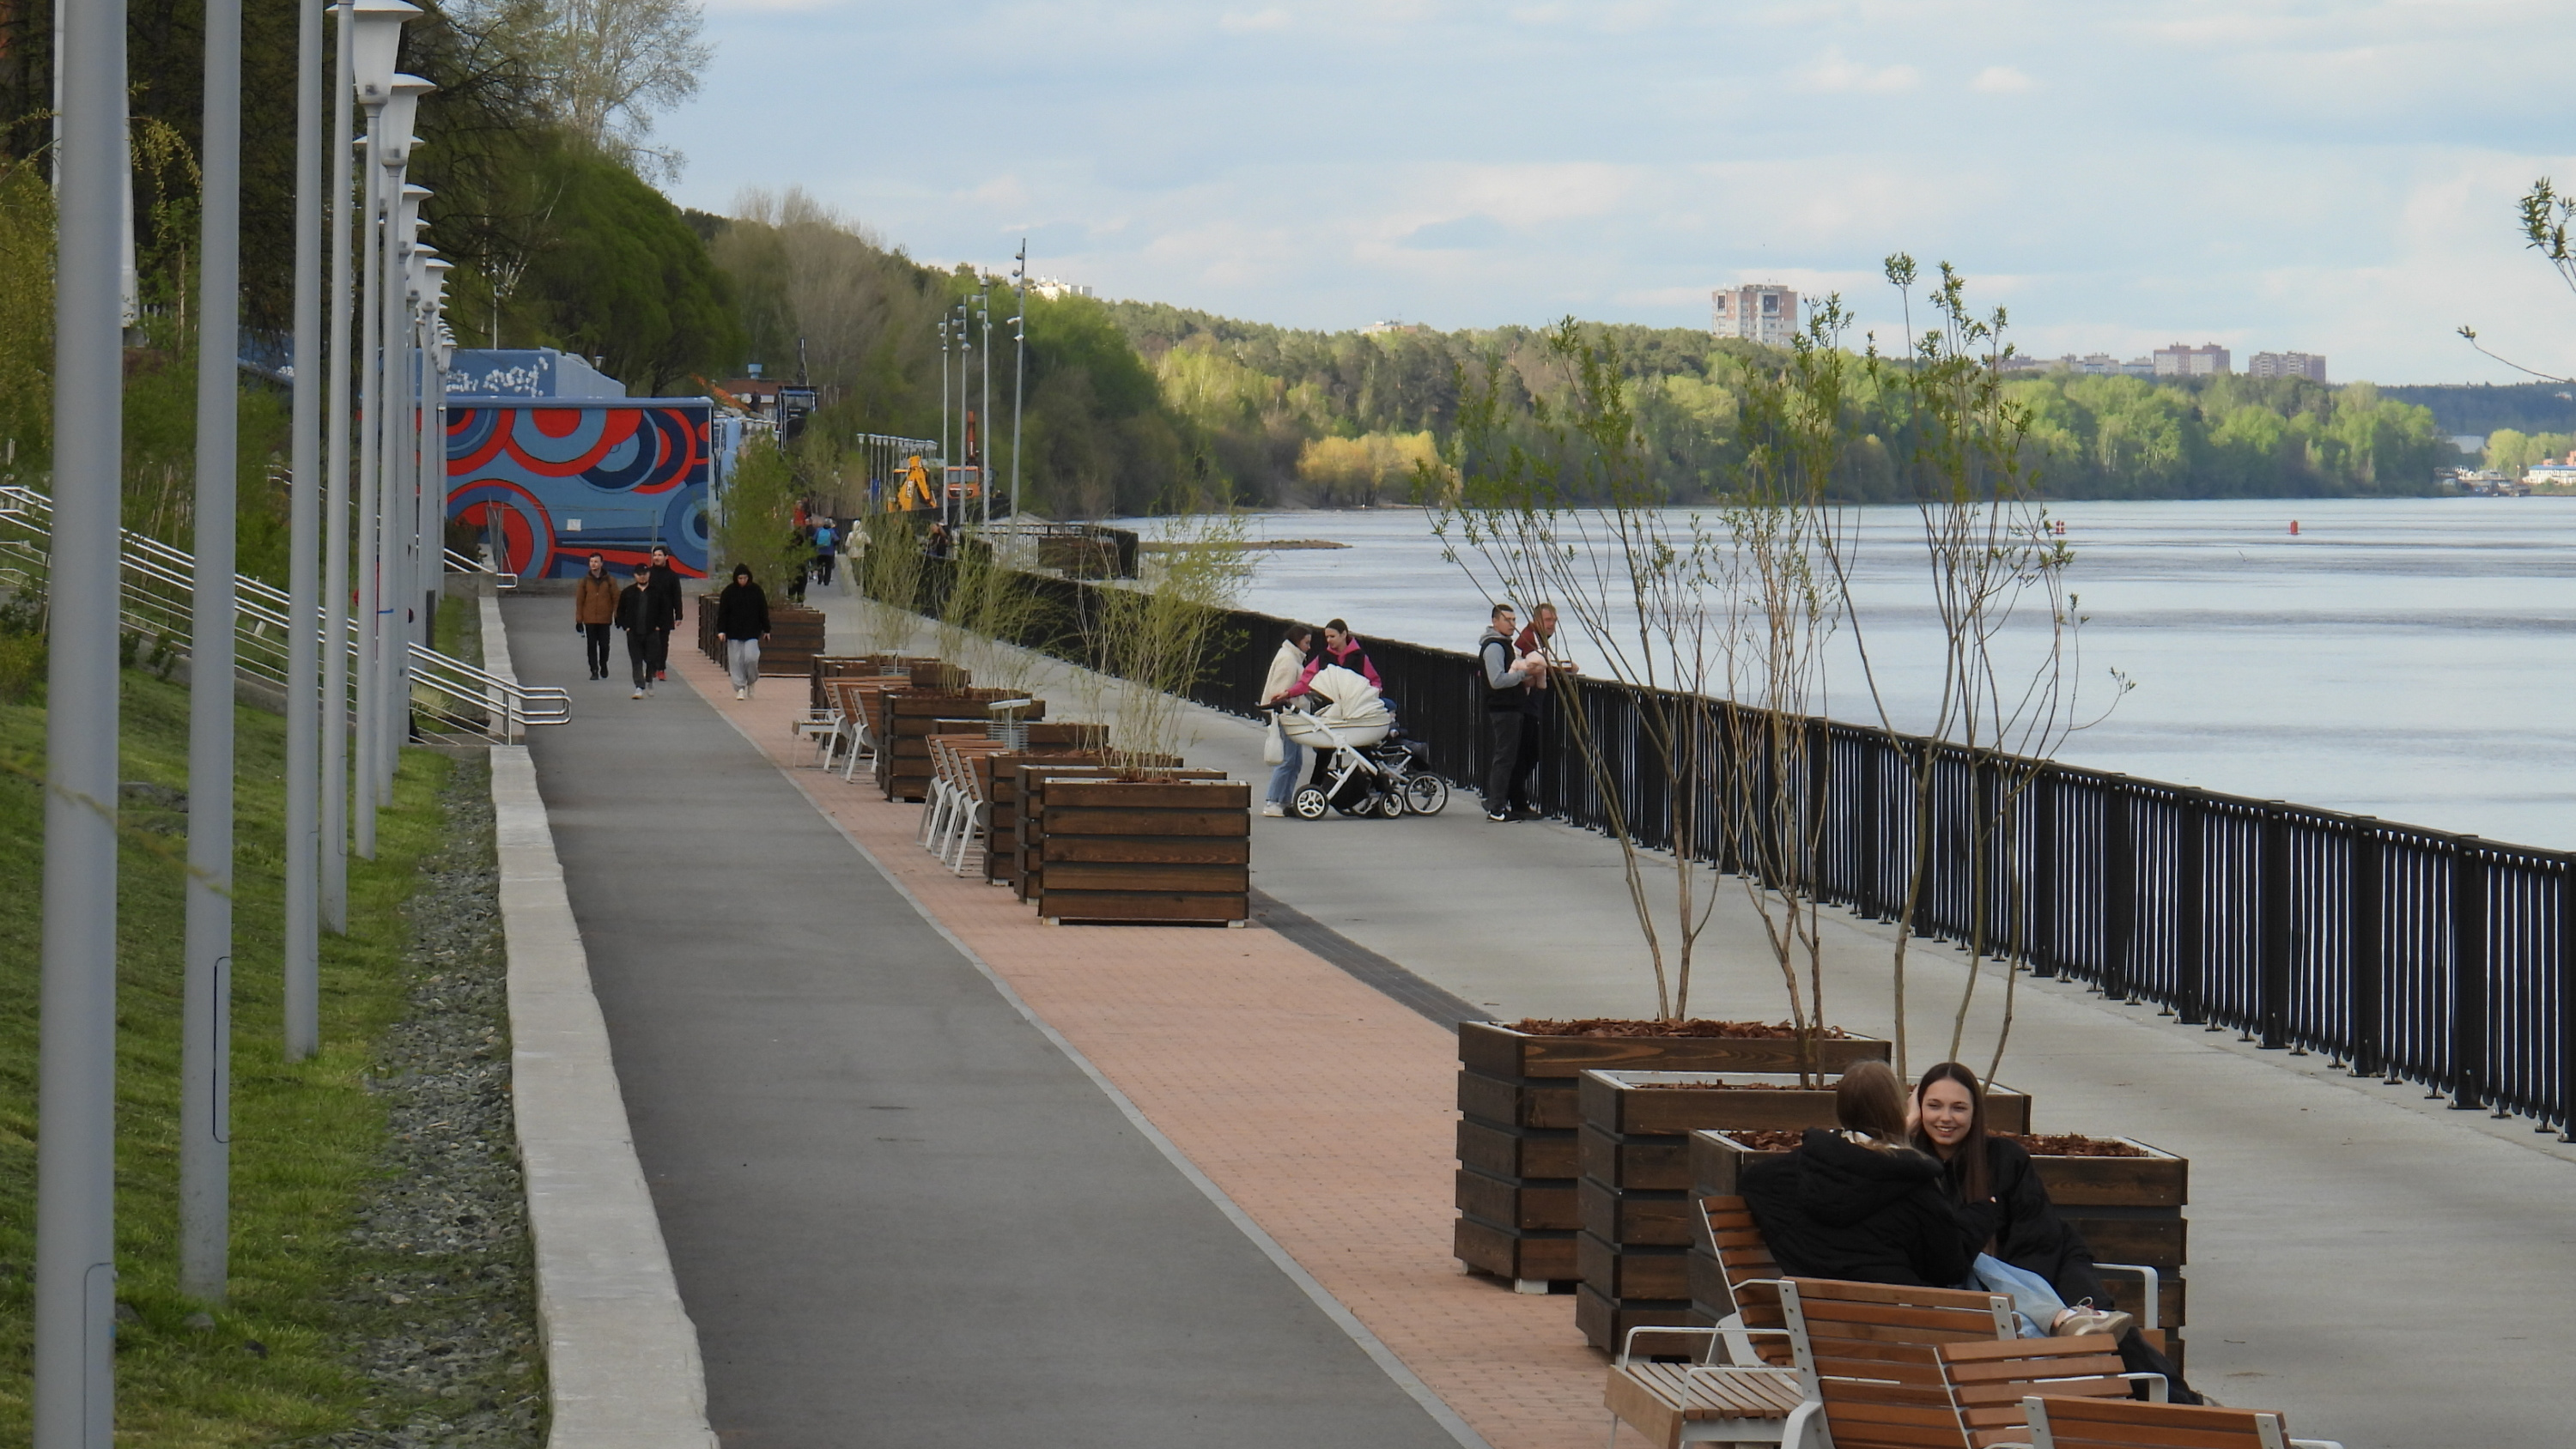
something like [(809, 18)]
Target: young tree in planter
[(1151, 645), (988, 609), (1564, 508), (756, 520), (889, 569), (1997, 577)]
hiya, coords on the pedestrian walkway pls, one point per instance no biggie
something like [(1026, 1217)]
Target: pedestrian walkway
[(2351, 1242), (898, 1212)]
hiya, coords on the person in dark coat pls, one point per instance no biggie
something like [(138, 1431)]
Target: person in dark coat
[(742, 618), (642, 613), (2006, 1208), (1859, 1204), (666, 587)]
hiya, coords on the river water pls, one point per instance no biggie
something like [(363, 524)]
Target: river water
[(2403, 658)]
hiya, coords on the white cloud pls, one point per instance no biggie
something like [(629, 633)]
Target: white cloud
[(2000, 80), (1834, 71)]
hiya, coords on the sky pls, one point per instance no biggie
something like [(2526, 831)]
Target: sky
[(2335, 178)]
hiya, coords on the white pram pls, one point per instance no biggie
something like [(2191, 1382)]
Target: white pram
[(1364, 771)]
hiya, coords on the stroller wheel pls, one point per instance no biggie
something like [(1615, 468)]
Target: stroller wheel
[(1309, 804), (1391, 806), (1426, 794)]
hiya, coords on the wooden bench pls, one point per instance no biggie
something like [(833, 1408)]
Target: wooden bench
[(2063, 1423)]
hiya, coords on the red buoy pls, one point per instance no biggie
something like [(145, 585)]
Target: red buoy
[(2294, 528)]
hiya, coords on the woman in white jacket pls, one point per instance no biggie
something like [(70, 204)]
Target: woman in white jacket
[(1285, 668)]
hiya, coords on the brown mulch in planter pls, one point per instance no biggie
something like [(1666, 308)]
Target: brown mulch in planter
[(2047, 1145), (1727, 1086), (1622, 1026)]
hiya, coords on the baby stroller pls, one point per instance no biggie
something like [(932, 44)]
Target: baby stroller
[(1368, 767)]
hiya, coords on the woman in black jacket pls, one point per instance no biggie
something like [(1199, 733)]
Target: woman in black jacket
[(1859, 1204), (2007, 1211), (742, 619)]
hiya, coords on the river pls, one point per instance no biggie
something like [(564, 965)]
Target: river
[(2401, 658)]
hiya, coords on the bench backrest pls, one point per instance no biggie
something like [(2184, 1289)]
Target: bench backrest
[(2069, 1423), (1871, 1353), (1752, 1277), (1989, 1381)]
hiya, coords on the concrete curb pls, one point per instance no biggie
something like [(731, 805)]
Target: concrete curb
[(622, 1365)]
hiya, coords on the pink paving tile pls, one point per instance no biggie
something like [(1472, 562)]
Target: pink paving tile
[(1322, 1108)]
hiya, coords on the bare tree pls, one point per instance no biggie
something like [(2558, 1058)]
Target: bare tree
[(617, 64), (2548, 215)]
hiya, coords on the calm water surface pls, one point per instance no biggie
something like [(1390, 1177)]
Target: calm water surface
[(2409, 659)]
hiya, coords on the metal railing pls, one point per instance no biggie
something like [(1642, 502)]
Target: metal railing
[(2412, 954), (452, 701), (458, 563)]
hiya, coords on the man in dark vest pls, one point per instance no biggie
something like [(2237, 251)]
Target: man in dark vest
[(1506, 682), (669, 607)]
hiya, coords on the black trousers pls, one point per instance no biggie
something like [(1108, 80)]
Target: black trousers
[(1503, 732), (639, 654), (1533, 748), (657, 649), (595, 648)]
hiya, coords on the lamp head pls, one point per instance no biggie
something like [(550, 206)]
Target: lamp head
[(392, 125), (407, 213), (375, 39), (433, 270)]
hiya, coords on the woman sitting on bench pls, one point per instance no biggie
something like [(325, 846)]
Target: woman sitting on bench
[(1863, 1206), (2007, 1211)]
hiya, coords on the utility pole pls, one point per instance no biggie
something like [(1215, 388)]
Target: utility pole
[(205, 1052), (303, 935), (75, 1318)]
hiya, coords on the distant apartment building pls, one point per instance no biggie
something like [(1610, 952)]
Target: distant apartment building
[(2092, 364), (1055, 290), (2207, 360), (1381, 329), (2310, 365), (1766, 312)]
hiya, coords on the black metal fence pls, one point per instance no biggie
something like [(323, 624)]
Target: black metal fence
[(2407, 953)]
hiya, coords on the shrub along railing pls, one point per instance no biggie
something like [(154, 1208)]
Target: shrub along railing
[(2401, 952)]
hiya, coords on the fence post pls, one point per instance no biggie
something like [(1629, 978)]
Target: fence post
[(2367, 987), (2468, 980), (2272, 912), (2565, 1106), (2119, 888), (1923, 833), (2043, 875), (1870, 889), (2191, 909), (1819, 822)]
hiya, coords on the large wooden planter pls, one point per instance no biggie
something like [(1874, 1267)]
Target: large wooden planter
[(1517, 1213), (907, 718), (1634, 1195), (795, 638), (997, 779), (1028, 817), (1150, 851), (922, 671), (2128, 1208)]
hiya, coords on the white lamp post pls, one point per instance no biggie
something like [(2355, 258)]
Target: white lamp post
[(395, 510), (388, 150), (302, 934), (1020, 361), (433, 450)]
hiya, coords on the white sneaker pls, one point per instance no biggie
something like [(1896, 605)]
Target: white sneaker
[(639, 694), (738, 694), (1271, 808)]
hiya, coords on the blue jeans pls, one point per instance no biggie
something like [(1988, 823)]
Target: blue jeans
[(1283, 779), (2035, 1303)]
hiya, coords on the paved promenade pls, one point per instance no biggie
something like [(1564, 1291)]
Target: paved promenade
[(898, 1213), (2349, 1241)]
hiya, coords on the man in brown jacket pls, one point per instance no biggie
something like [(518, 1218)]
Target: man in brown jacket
[(594, 609)]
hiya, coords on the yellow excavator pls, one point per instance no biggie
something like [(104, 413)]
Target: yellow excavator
[(916, 492)]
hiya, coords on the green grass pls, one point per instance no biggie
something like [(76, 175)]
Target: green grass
[(305, 1135)]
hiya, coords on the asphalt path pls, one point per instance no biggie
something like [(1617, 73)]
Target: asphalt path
[(898, 1214)]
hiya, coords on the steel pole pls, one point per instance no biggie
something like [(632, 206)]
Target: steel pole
[(303, 943), (388, 632), (75, 1319), (984, 440), (1019, 368), (940, 500), (205, 1036), (362, 551), (335, 560)]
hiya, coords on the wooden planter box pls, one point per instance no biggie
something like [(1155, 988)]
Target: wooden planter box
[(795, 638), (1517, 1209), (912, 667), (1145, 851), (998, 778), (907, 718), (2129, 1210), (1028, 823), (1634, 1194)]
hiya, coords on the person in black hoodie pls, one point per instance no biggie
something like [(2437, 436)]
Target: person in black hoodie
[(1859, 1204), (742, 617), (2007, 1211)]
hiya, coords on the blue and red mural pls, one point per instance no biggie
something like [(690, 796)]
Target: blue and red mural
[(556, 481)]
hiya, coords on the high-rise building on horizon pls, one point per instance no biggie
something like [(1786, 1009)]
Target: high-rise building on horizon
[(2310, 365), (1765, 312), (2206, 360)]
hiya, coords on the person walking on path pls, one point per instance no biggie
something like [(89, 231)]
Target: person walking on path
[(594, 610), (1286, 668), (665, 584), (1536, 648), (640, 612), (1341, 647), (1506, 687), (826, 550), (742, 617)]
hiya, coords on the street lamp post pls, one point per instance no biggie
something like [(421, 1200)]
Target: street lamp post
[(75, 1317), (984, 439), (942, 500), (432, 465), (388, 149), (303, 934), (394, 508), (1019, 361), (205, 1035)]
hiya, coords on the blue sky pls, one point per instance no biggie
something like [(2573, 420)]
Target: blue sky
[(2334, 178)]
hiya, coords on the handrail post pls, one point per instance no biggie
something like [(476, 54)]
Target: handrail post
[(2191, 908), (2468, 903), (2042, 950), (2272, 913), (2119, 888), (2564, 1109), (2366, 987)]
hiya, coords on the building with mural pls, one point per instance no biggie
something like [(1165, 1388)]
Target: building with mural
[(551, 462)]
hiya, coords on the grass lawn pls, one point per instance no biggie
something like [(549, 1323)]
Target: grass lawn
[(306, 1136)]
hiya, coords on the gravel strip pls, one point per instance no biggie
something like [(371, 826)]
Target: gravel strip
[(445, 1321)]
